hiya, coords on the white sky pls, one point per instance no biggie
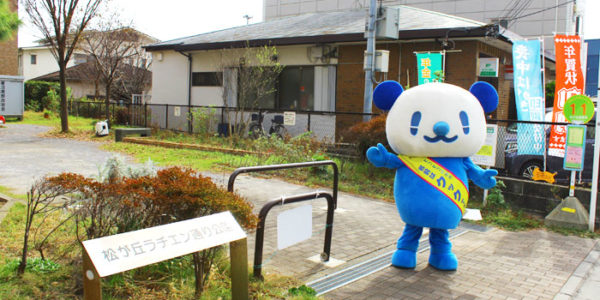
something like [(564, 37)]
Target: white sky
[(170, 19)]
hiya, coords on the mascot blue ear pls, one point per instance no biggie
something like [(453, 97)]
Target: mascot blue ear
[(386, 93), (486, 94)]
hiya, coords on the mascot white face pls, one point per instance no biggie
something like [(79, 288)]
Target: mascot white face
[(436, 119)]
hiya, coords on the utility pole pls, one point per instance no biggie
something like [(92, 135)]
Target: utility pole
[(370, 55)]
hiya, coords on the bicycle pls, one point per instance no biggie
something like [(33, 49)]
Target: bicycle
[(256, 130)]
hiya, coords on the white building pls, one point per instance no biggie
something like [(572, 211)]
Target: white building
[(38, 61)]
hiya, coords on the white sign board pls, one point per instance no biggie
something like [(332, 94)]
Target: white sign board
[(177, 111), (488, 67), (294, 226), (121, 252), (486, 156), (289, 118)]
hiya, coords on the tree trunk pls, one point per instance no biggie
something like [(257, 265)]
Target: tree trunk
[(107, 111), (199, 273), (64, 114)]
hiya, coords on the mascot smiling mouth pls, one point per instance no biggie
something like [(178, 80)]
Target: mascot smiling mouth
[(440, 138)]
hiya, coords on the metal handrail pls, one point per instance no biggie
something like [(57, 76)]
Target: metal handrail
[(262, 216), (242, 170)]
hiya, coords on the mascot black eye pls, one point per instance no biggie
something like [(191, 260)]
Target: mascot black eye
[(464, 119), (414, 122)]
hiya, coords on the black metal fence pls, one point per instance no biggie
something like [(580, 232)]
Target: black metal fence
[(517, 154), (325, 126)]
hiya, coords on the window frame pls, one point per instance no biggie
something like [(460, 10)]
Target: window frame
[(208, 79)]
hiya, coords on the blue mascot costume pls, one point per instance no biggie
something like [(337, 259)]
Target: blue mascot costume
[(433, 128)]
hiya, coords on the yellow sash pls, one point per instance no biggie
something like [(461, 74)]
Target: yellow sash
[(440, 178)]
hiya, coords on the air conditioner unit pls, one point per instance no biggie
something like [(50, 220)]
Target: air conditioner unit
[(382, 59)]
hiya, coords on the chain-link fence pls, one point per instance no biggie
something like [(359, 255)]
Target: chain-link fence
[(522, 146), (324, 126)]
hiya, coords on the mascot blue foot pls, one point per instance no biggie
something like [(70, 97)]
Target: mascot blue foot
[(443, 261), (406, 255), (404, 259), (441, 256)]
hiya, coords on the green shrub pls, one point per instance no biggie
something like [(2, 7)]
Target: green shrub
[(35, 91)]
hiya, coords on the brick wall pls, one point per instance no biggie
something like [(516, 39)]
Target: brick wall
[(9, 64), (503, 86), (350, 82), (461, 70)]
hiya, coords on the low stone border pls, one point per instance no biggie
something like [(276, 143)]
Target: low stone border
[(146, 141)]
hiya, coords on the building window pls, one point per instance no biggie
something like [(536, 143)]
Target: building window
[(33, 59), (293, 90), (297, 88), (207, 78), (80, 58)]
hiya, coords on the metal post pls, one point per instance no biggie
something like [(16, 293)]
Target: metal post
[(145, 114), (167, 116), (370, 55), (572, 184), (308, 126), (594, 192)]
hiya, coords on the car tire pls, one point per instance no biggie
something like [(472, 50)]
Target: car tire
[(527, 168)]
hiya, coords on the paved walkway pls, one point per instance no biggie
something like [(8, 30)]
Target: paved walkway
[(492, 265)]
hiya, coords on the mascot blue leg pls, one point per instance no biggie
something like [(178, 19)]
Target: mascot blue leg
[(406, 255), (441, 256)]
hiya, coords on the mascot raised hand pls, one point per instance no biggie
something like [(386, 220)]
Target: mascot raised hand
[(433, 129)]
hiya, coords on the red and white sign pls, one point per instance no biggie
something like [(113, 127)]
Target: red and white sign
[(569, 82), (2, 120)]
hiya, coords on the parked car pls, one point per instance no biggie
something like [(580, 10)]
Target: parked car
[(524, 164)]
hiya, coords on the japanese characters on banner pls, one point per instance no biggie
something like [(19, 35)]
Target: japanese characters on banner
[(427, 65), (569, 82), (529, 95)]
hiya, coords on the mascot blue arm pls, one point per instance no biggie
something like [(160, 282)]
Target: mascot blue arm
[(380, 157), (483, 178)]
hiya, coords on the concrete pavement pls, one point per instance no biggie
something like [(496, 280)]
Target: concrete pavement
[(493, 264)]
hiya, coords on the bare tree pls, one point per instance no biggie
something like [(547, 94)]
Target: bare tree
[(111, 46), (61, 23), (256, 72), (134, 78)]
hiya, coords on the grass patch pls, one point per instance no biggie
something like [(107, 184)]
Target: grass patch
[(8, 192), (80, 128), (60, 276)]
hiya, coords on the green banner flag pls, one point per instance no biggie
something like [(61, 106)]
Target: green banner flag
[(429, 66)]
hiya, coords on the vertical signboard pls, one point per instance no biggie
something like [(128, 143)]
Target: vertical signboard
[(427, 65), (2, 97), (569, 82), (529, 96)]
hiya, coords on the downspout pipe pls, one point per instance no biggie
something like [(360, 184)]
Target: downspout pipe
[(190, 116)]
